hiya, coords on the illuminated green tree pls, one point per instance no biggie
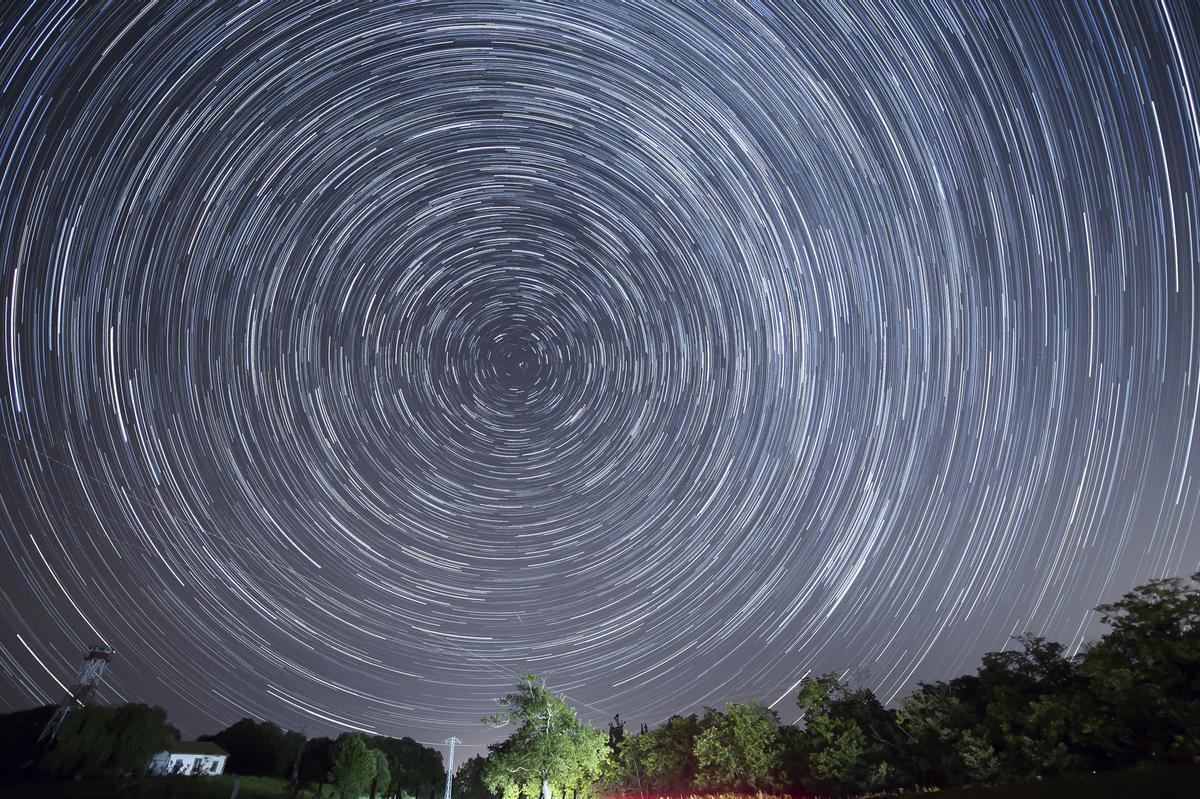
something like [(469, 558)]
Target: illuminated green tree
[(739, 749), (550, 747), (353, 766)]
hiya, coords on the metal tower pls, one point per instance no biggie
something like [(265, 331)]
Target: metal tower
[(89, 677), (450, 768)]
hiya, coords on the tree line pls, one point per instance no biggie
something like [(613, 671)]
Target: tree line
[(1130, 699), (99, 742)]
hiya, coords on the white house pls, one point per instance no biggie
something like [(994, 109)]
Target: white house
[(190, 757)]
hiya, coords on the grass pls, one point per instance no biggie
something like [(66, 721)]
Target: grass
[(1178, 782), (1174, 782)]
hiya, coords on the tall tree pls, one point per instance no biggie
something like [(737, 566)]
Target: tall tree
[(353, 766), (550, 746), (382, 776), (1026, 701)]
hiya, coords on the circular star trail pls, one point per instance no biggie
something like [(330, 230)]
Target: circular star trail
[(357, 357)]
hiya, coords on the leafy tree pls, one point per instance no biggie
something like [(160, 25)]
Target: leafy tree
[(108, 741), (382, 776), (316, 760), (667, 754), (468, 781), (1023, 699), (353, 766), (739, 749), (849, 742), (258, 748), (934, 721), (590, 759), (623, 772), (550, 746), (1145, 675), (415, 769)]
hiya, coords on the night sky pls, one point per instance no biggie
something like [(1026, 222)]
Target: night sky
[(359, 357)]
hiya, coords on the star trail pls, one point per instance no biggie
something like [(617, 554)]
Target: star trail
[(359, 356)]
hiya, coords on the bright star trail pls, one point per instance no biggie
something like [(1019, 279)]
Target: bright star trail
[(358, 357)]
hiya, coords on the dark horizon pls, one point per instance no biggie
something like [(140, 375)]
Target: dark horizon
[(356, 362)]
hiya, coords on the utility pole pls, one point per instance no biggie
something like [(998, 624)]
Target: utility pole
[(450, 768), (294, 787), (89, 677)]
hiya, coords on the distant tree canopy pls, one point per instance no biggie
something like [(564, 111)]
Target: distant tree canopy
[(551, 750), (259, 748), (1130, 699), (414, 768), (262, 748), (108, 741)]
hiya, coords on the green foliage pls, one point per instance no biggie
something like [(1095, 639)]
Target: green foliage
[(414, 768), (382, 775), (849, 741), (353, 766), (933, 721), (664, 758), (1145, 675), (1023, 699), (739, 749), (108, 741), (550, 749)]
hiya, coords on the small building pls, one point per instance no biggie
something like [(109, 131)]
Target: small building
[(190, 757)]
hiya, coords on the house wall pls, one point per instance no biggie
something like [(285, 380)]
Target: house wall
[(183, 763)]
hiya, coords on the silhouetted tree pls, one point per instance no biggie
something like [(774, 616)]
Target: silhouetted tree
[(616, 732), (259, 748), (468, 781), (1145, 676), (316, 760), (19, 733), (108, 741)]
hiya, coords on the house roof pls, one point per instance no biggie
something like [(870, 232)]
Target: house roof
[(196, 748)]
